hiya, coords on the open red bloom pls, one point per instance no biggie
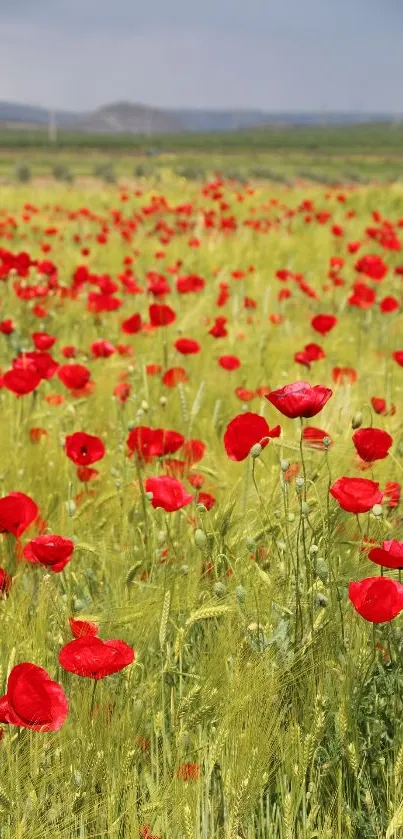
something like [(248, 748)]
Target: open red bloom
[(193, 451), (102, 349), (244, 431), (188, 772), (380, 407), (93, 658), (41, 362), (17, 512), (314, 437), (168, 493), (174, 376), (81, 629), (344, 375), (132, 325), (389, 555), (187, 347), (229, 362), (398, 356), (323, 323), (148, 443), (388, 305), (83, 448), (21, 380), (299, 399), (33, 700), (356, 495), (52, 551), (377, 599), (43, 341), (74, 376), (372, 266), (372, 443), (206, 499), (161, 314)]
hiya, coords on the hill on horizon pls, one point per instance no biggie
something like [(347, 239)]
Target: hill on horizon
[(133, 118)]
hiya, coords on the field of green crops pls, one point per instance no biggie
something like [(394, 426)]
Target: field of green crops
[(160, 494)]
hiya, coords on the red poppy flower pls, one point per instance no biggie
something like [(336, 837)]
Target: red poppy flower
[(186, 346), (392, 494), (389, 555), (356, 495), (377, 599), (7, 327), (74, 376), (380, 407), (42, 362), (5, 581), (102, 349), (219, 329), (206, 499), (161, 315), (244, 394), (314, 437), (188, 772), (372, 266), (132, 325), (52, 551), (193, 451), (174, 376), (344, 375), (148, 443), (229, 362), (299, 399), (84, 449), (244, 431), (323, 323), (189, 283), (81, 629), (21, 381), (153, 369), (362, 296), (168, 493), (93, 658), (86, 474), (372, 443), (33, 700), (43, 341), (388, 305), (17, 512)]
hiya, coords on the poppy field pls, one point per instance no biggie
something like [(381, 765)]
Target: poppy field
[(201, 458)]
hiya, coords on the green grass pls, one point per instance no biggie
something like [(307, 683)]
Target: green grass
[(296, 731)]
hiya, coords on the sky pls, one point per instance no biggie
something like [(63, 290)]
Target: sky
[(275, 55)]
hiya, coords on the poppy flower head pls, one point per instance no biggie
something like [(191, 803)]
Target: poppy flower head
[(92, 658), (84, 449), (54, 552), (372, 443), (389, 554), (377, 599), (74, 376), (17, 512), (168, 493), (299, 399), (33, 700), (244, 431), (356, 495)]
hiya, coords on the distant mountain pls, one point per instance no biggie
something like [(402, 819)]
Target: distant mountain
[(130, 118), (126, 118)]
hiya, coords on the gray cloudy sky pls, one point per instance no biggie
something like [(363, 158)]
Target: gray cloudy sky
[(270, 54)]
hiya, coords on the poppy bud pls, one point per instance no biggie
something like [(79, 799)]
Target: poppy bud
[(313, 549), (163, 401), (356, 421), (250, 545), (377, 510), (321, 570), (184, 570), (284, 465), (327, 442), (201, 508), (321, 599), (149, 495), (144, 405), (130, 425), (240, 594), (256, 451), (291, 517), (219, 589), (304, 508), (71, 507), (299, 482), (200, 539)]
